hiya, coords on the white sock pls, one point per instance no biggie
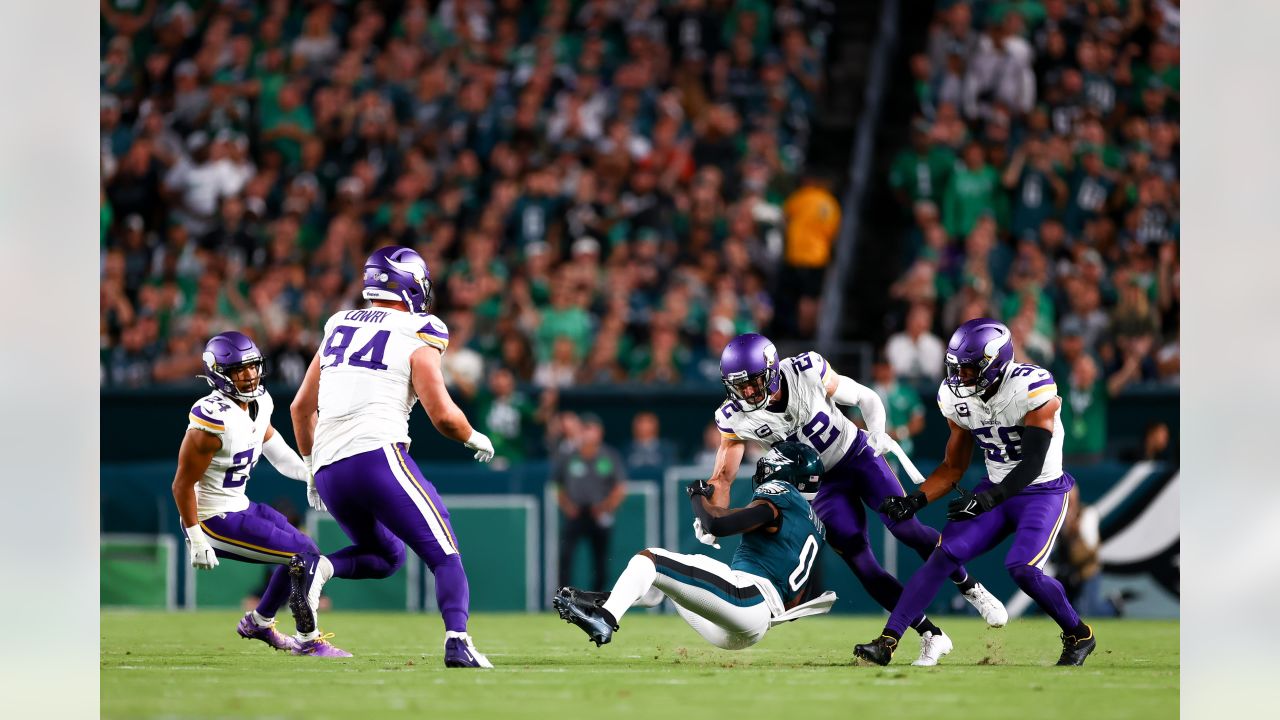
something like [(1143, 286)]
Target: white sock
[(308, 636), (450, 634), (653, 598), (633, 583), (259, 620)]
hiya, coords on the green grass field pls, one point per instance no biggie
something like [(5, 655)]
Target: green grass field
[(193, 665)]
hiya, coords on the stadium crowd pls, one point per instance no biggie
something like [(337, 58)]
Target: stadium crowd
[(1042, 182), (598, 186)]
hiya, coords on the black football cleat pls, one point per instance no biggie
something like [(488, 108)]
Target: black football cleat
[(587, 616), (1075, 650), (589, 597), (878, 651)]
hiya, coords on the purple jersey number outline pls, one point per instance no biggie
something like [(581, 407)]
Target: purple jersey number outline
[(1008, 445), (243, 461), (369, 356)]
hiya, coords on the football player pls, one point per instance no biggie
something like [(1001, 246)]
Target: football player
[(797, 399), (1012, 411), (730, 606), (373, 365), (228, 431)]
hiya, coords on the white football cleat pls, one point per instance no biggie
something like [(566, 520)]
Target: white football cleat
[(991, 609), (932, 648)]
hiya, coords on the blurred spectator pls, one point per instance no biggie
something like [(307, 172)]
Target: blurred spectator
[(1084, 412), (1076, 562), (915, 353), (508, 417), (1155, 445), (590, 484), (813, 220), (648, 449), (706, 455)]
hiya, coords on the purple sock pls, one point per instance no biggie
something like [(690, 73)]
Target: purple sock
[(276, 594), (921, 590), (356, 562), (1048, 594), (453, 594)]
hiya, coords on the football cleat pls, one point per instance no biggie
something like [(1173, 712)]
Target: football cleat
[(1075, 650), (878, 651), (589, 597), (304, 617), (250, 630), (320, 647), (461, 652), (585, 615), (932, 648), (991, 609)]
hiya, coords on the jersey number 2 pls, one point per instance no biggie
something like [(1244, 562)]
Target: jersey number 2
[(808, 554), (238, 473), (369, 356)]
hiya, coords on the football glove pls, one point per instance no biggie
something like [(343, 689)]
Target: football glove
[(880, 443), (199, 549), (313, 495), (705, 538), (969, 505), (900, 508), (481, 444), (700, 487)]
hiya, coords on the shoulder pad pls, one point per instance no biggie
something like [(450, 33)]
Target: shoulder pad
[(773, 487), (812, 364), (725, 415), (208, 413), (1032, 383), (431, 330)]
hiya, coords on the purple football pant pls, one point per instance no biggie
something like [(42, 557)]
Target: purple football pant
[(1034, 517), (259, 534), (861, 477), (383, 502)]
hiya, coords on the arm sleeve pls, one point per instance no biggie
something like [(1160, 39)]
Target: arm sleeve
[(283, 458), (1035, 446), (735, 521), (850, 392)]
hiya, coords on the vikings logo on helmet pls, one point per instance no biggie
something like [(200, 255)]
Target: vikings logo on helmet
[(399, 274), (982, 346), (223, 355), (749, 366)]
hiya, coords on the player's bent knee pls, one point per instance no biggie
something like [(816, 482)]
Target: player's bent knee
[(945, 553), (1024, 574)]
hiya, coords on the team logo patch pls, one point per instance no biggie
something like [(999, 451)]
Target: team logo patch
[(772, 487)]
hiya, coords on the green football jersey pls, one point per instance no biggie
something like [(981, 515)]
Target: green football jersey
[(786, 557)]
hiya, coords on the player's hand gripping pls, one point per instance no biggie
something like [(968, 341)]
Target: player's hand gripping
[(901, 508), (700, 487), (968, 505), (199, 549), (880, 443), (313, 495), (481, 444)]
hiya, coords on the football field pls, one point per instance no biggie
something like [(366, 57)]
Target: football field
[(193, 665)]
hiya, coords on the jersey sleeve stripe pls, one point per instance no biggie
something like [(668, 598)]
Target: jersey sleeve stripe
[(202, 415), (219, 427), (730, 435), (826, 369), (1039, 383), (1051, 388), (434, 340)]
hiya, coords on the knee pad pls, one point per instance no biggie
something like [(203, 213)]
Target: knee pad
[(849, 545), (1023, 574), (946, 553), (393, 555)]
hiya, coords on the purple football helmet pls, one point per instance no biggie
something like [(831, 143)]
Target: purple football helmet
[(226, 353), (398, 273), (749, 370), (977, 356)]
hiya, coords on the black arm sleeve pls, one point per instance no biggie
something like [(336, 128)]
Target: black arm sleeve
[(735, 521), (1035, 446)]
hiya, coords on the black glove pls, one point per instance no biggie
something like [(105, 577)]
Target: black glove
[(968, 505), (901, 508), (700, 487)]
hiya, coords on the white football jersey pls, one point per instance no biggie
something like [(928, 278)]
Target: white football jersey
[(221, 490), (810, 416), (365, 388), (997, 423)]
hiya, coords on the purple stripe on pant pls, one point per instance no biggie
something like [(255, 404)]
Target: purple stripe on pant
[(382, 502), (1034, 517), (273, 540), (862, 478)]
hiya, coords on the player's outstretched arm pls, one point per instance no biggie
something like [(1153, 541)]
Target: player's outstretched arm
[(1037, 435), (721, 521), (728, 460), (282, 457), (847, 391), (958, 455), (303, 409), (446, 416), (195, 454)]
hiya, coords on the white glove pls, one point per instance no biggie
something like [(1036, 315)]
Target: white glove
[(313, 495), (199, 549), (705, 538), (880, 443), (481, 444)]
